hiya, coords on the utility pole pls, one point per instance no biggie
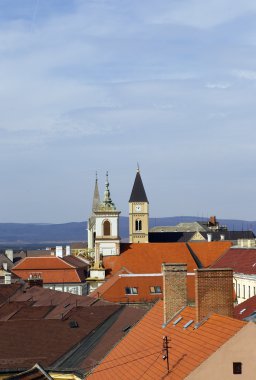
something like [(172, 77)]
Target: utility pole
[(165, 351)]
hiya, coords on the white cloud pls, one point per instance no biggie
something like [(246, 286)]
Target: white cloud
[(218, 85), (198, 13), (245, 74)]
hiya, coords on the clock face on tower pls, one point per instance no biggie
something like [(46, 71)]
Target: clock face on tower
[(138, 208)]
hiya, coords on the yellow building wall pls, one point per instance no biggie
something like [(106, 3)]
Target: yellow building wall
[(143, 215)]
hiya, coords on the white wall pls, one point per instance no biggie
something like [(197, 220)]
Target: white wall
[(114, 225), (245, 286)]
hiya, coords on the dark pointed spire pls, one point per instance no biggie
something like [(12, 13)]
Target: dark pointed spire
[(138, 193), (96, 195)]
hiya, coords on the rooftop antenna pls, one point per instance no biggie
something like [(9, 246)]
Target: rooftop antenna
[(138, 167), (165, 351)]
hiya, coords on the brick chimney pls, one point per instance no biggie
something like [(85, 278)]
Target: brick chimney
[(214, 292), (174, 289), (212, 221), (35, 279)]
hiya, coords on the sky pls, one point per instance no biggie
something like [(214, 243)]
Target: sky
[(97, 85)]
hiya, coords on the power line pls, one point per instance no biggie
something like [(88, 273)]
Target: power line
[(127, 362), (120, 357)]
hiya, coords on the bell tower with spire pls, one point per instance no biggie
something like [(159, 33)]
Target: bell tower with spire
[(138, 212), (107, 240), (91, 222)]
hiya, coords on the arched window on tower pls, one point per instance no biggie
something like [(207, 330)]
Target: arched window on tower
[(106, 228), (138, 225)]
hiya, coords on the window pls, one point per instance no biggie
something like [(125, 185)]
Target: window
[(237, 368), (254, 291), (155, 289), (138, 225), (243, 291), (238, 290), (106, 228), (131, 290), (249, 291)]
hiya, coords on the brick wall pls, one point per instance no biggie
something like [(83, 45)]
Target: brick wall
[(174, 288), (214, 292)]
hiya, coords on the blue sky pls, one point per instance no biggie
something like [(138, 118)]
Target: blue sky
[(96, 85)]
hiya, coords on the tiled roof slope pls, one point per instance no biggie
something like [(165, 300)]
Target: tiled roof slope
[(44, 340), (139, 354), (113, 289), (209, 252), (6, 291), (52, 269), (103, 289), (170, 237), (128, 317), (40, 263), (240, 260), (34, 373), (60, 302), (75, 261), (148, 258), (53, 276), (38, 322), (245, 309)]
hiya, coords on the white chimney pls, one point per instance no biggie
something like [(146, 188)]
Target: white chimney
[(222, 237), (8, 278), (59, 251), (9, 254), (68, 252), (209, 237)]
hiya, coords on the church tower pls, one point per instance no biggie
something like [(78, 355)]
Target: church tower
[(107, 240), (138, 212), (92, 221)]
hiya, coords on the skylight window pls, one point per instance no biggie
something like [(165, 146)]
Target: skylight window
[(177, 321), (188, 324)]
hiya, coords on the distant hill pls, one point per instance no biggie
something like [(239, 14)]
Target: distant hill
[(22, 235)]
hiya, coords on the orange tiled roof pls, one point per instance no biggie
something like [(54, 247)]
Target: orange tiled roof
[(113, 289), (50, 269), (51, 276), (38, 263), (103, 289), (139, 354), (208, 252), (148, 258)]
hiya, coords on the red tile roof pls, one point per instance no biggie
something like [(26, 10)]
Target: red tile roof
[(209, 252), (113, 289), (51, 269), (240, 260), (139, 354), (245, 309), (51, 276), (148, 257), (40, 263)]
